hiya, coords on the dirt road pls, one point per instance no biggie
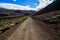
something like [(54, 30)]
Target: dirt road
[(30, 30)]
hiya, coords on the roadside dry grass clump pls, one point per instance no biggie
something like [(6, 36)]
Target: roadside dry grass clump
[(49, 18), (7, 23)]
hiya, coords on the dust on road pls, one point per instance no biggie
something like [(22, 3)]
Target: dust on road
[(30, 30)]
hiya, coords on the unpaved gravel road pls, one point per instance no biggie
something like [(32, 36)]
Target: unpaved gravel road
[(30, 30)]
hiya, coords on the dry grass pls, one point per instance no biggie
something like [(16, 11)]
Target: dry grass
[(53, 20), (6, 24)]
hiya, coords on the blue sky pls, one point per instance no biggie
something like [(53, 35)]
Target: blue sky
[(31, 3), (25, 4)]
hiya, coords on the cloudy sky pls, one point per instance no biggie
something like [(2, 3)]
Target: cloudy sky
[(25, 4)]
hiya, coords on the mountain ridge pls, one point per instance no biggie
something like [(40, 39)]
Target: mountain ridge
[(52, 7)]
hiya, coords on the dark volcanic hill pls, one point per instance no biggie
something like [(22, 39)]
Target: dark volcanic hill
[(5, 12), (52, 7), (25, 11), (16, 11)]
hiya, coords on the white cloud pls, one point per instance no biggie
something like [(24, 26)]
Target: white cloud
[(14, 6), (14, 0), (43, 3)]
